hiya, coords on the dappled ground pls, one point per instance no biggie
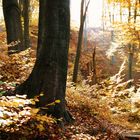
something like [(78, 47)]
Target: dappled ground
[(18, 119), (98, 110), (93, 118)]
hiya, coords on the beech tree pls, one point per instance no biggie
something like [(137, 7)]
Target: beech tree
[(80, 37), (85, 28), (12, 17), (49, 74), (24, 6), (26, 9)]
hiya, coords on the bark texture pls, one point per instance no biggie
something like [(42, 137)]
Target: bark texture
[(13, 25), (26, 10), (50, 71), (79, 44)]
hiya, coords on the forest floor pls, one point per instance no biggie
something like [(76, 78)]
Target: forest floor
[(90, 110)]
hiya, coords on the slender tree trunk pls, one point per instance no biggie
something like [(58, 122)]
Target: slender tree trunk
[(82, 11), (130, 63), (120, 11), (85, 36), (135, 11), (20, 5), (50, 71), (94, 76), (88, 68), (129, 11), (113, 14), (112, 40), (13, 25), (79, 45), (109, 14), (26, 10), (85, 29), (130, 48)]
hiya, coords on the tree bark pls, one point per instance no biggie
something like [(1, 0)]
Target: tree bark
[(20, 2), (79, 45), (129, 11), (135, 11), (94, 76), (42, 25), (13, 25), (113, 55), (85, 29), (50, 71), (130, 62), (26, 10)]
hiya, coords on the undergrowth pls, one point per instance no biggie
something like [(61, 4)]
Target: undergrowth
[(20, 118), (111, 99)]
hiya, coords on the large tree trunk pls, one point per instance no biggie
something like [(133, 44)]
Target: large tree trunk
[(50, 71), (12, 19), (26, 8), (42, 25)]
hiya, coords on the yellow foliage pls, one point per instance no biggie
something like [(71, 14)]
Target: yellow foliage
[(40, 127), (16, 115), (57, 101), (111, 99)]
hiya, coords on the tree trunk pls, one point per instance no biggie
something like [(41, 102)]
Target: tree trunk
[(85, 29), (130, 48), (20, 2), (50, 71), (129, 11), (13, 25), (94, 76), (130, 62), (113, 13), (109, 13), (85, 36), (88, 68), (82, 11), (26, 10), (135, 11), (120, 11), (42, 26), (79, 45), (113, 55)]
